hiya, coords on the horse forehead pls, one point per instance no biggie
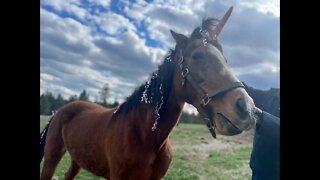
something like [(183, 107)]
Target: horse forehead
[(198, 44), (216, 52)]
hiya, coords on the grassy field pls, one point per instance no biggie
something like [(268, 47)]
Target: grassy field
[(197, 156)]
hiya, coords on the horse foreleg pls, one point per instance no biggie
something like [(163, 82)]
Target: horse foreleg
[(49, 165), (72, 172)]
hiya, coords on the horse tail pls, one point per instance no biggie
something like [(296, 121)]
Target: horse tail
[(43, 136)]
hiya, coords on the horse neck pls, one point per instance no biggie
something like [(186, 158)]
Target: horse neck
[(142, 116), (171, 109)]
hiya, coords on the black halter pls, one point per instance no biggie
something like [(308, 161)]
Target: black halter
[(206, 97)]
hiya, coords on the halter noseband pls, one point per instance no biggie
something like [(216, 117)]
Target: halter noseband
[(205, 96)]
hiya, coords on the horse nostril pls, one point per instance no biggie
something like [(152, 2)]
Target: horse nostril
[(241, 107)]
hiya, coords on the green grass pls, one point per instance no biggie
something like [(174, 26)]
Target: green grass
[(197, 155), (43, 121)]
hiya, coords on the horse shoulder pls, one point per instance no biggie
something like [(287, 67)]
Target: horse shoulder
[(163, 160)]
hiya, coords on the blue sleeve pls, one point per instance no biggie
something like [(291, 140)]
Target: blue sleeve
[(266, 100), (265, 156)]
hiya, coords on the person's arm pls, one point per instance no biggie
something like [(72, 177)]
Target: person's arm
[(265, 156), (266, 100)]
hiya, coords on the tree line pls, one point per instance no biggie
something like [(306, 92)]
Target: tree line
[(49, 103)]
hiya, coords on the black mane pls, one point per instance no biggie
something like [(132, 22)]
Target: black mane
[(156, 88)]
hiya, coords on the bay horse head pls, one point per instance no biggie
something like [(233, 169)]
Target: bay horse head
[(207, 83)]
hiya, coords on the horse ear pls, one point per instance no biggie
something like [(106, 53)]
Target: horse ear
[(179, 38)]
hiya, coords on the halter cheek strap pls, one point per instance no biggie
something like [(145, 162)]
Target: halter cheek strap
[(205, 97)]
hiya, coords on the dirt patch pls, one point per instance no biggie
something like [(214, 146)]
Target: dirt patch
[(202, 151), (212, 146), (224, 144)]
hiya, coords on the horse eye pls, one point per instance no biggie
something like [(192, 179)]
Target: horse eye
[(197, 56)]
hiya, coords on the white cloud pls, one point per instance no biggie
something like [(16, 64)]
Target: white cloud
[(263, 75), (75, 54), (270, 6), (104, 3), (69, 6), (71, 57), (256, 69), (159, 17), (112, 23)]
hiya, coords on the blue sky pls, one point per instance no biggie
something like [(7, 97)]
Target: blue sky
[(85, 43)]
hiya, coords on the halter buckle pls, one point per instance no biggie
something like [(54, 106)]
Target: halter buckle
[(181, 59), (211, 127), (181, 62), (209, 123), (205, 100), (184, 72)]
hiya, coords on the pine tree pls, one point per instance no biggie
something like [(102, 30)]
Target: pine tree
[(44, 105), (84, 96), (59, 101), (72, 98), (104, 93)]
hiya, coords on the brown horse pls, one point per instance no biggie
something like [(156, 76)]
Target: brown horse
[(131, 142)]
